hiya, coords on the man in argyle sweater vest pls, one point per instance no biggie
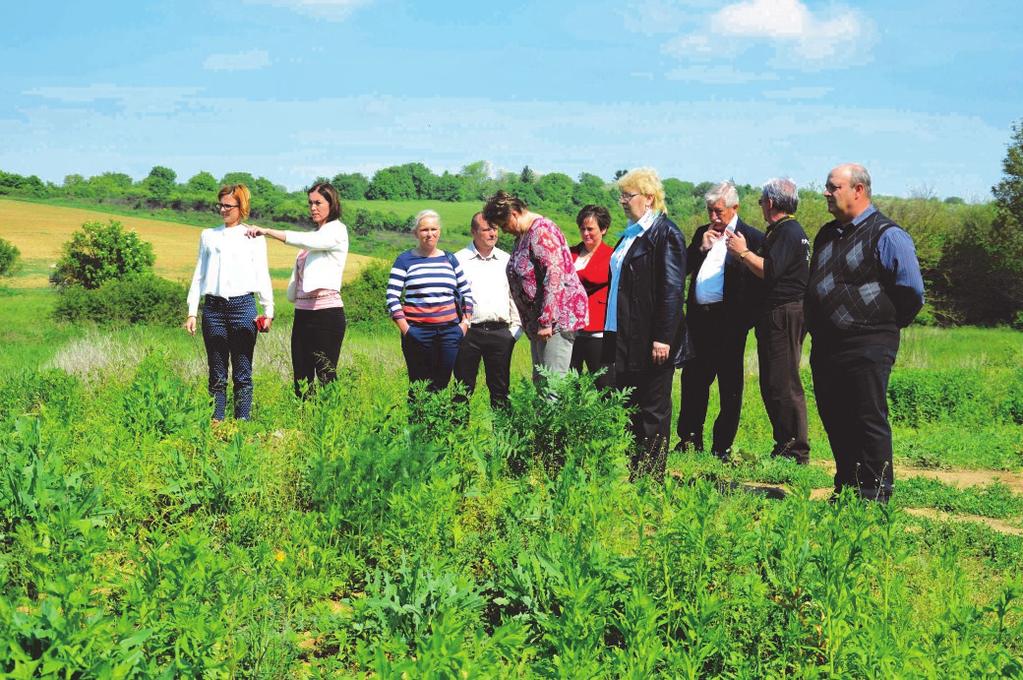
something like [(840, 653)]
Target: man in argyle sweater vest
[(864, 286)]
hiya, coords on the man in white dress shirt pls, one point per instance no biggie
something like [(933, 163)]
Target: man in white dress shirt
[(723, 299), (494, 326)]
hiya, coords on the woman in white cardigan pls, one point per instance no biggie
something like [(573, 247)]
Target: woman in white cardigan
[(229, 270), (315, 288)]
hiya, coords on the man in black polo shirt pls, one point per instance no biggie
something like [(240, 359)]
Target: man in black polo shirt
[(783, 263)]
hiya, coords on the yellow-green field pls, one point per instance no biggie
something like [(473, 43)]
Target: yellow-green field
[(40, 230)]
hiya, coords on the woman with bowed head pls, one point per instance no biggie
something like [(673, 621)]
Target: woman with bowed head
[(230, 269), (315, 288), (645, 330), (429, 300), (550, 298), (592, 259)]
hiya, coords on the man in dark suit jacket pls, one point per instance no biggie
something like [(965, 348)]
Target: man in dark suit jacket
[(645, 327), (723, 299)]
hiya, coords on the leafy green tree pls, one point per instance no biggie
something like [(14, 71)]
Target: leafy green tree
[(101, 252), (392, 184), (351, 186), (110, 185), (447, 187), (9, 255), (245, 178), (1009, 192), (160, 182), (555, 187), (476, 182), (591, 190), (202, 183), (527, 176)]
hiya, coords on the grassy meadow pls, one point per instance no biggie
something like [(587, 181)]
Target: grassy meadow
[(335, 538)]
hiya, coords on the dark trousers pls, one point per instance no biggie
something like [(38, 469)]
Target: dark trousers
[(588, 351), (719, 344), (229, 333), (651, 417), (780, 333), (851, 388), (430, 352), (494, 347), (316, 341)]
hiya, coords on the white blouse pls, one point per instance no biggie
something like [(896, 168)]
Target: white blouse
[(231, 264)]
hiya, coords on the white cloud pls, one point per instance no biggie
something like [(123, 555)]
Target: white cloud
[(251, 60), (331, 10), (812, 36)]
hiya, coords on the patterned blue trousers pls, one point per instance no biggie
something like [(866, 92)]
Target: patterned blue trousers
[(229, 333)]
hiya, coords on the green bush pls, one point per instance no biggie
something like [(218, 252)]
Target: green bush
[(918, 396), (9, 255), (99, 253), (365, 304), (140, 298)]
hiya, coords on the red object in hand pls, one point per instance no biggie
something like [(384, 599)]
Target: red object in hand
[(262, 323)]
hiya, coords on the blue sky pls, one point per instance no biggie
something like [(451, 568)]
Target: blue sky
[(923, 93)]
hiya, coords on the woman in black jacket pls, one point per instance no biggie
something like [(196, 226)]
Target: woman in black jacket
[(646, 332)]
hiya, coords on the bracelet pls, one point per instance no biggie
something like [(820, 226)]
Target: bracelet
[(744, 254)]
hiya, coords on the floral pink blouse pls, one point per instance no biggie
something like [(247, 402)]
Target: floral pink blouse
[(543, 280)]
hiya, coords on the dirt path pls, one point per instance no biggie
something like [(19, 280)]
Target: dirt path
[(958, 478), (1001, 526)]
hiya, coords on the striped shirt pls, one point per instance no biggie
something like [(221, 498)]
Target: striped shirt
[(431, 287)]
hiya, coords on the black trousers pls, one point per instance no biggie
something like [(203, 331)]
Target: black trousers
[(315, 346), (494, 347), (851, 388), (651, 417), (780, 332), (588, 351), (719, 343)]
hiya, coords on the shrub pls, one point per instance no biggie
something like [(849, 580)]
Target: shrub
[(141, 298), (100, 252), (920, 396), (9, 254), (364, 298)]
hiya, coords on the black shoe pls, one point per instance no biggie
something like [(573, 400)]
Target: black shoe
[(690, 443), (724, 456)]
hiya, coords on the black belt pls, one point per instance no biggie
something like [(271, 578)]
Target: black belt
[(712, 307), (491, 325)]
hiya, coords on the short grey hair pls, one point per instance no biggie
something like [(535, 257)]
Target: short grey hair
[(422, 215), (724, 191), (859, 175), (783, 194)]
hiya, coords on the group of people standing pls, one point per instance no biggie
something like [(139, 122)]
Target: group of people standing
[(620, 311)]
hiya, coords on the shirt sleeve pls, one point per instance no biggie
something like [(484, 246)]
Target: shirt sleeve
[(195, 290), (395, 287), (464, 290), (332, 236), (790, 249), (897, 255), (546, 248), (264, 290)]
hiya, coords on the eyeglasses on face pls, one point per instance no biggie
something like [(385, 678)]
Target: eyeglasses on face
[(225, 207), (626, 197)]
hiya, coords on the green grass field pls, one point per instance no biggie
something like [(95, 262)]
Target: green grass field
[(334, 538)]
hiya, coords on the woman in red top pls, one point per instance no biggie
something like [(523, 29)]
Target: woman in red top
[(592, 258)]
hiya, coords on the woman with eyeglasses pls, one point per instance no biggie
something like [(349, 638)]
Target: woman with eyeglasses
[(315, 288), (644, 330), (230, 272)]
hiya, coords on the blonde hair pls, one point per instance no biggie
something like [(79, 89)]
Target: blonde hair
[(644, 181), (240, 193)]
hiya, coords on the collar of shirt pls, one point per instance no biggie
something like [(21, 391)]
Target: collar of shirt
[(494, 254), (733, 223), (856, 221)]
